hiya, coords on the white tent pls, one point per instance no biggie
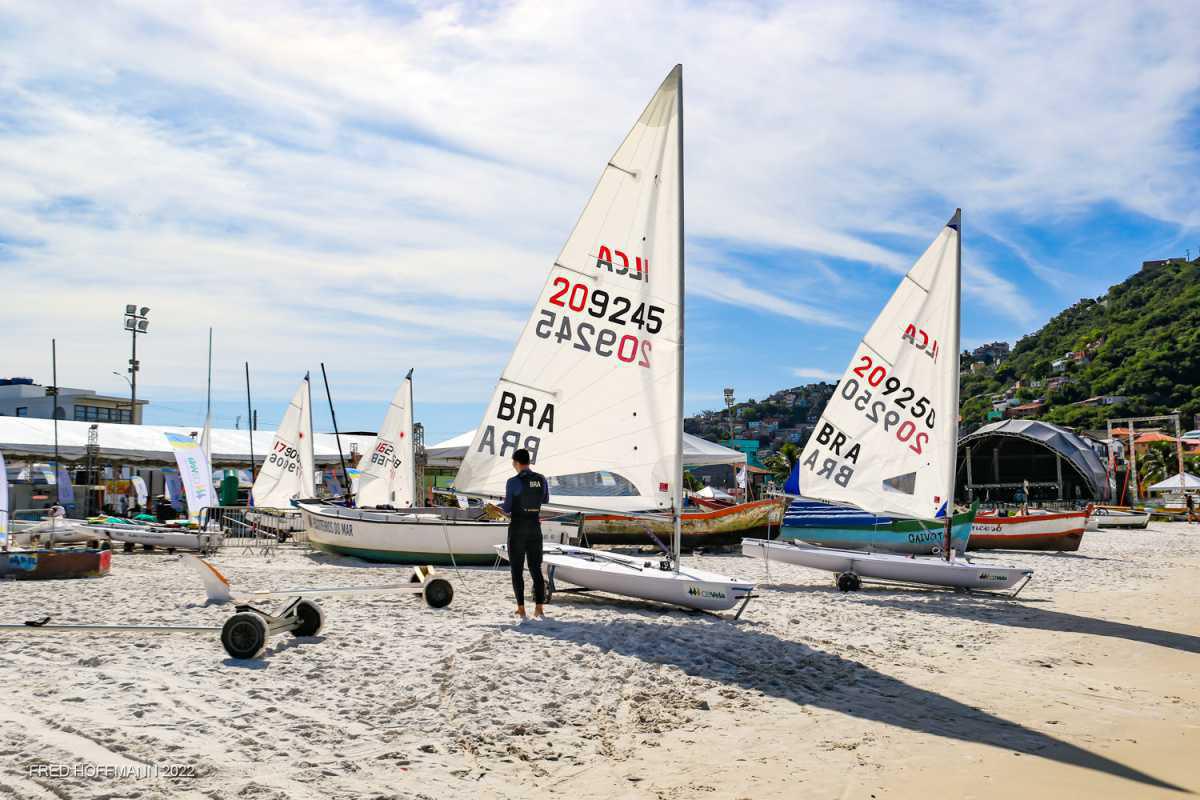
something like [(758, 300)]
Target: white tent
[(713, 493), (697, 452), (30, 438), (1190, 483)]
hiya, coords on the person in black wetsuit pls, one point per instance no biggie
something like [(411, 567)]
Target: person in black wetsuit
[(524, 495)]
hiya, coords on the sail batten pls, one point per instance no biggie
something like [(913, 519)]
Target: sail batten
[(605, 334)]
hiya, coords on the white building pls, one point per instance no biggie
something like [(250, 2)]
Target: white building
[(21, 397)]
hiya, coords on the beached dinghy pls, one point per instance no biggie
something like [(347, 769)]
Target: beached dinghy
[(387, 526), (886, 440), (854, 565), (165, 537), (594, 385), (854, 529), (1112, 517)]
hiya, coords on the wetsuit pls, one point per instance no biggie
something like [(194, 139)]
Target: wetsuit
[(523, 498)]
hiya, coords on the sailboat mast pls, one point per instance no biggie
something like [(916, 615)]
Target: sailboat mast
[(336, 436), (54, 414), (677, 479), (418, 485), (250, 426), (956, 223), (208, 402)]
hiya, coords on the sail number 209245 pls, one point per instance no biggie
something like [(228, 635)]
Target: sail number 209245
[(601, 306)]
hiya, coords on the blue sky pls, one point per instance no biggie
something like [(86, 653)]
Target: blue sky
[(384, 186)]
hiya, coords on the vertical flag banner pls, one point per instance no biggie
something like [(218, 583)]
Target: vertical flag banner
[(194, 471), (66, 492), (139, 486)]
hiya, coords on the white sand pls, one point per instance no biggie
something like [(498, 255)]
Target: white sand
[(1087, 685)]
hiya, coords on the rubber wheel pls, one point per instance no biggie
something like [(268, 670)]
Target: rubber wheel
[(438, 593), (127, 547), (244, 635), (848, 582), (312, 619)]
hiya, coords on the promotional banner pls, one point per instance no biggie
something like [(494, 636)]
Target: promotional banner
[(66, 492), (139, 486), (174, 486), (195, 472)]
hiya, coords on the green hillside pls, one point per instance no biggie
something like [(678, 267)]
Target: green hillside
[(1136, 351), (1133, 352)]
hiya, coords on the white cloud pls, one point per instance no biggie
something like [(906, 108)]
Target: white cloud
[(328, 181), (815, 374)]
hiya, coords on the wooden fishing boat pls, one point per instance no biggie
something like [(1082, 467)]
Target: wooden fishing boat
[(1034, 531), (722, 525), (54, 563)]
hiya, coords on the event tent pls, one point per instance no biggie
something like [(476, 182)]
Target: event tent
[(697, 452)]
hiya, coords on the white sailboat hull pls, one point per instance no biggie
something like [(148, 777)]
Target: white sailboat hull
[(420, 536), (62, 531), (165, 539), (640, 577), (1114, 518), (880, 566)]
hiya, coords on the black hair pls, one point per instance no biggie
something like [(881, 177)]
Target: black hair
[(521, 457)]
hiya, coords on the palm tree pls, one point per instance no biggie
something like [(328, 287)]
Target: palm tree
[(1158, 463), (781, 463), (691, 482)]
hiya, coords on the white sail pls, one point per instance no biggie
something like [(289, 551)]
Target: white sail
[(386, 475), (288, 470), (592, 388), (886, 442)]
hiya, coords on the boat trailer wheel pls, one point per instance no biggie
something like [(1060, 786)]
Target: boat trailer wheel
[(310, 619), (848, 582), (244, 635), (438, 593)]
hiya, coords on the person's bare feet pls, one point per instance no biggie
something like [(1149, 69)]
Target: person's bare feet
[(520, 612), (538, 613)]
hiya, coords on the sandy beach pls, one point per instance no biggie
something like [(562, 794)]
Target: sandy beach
[(1087, 685)]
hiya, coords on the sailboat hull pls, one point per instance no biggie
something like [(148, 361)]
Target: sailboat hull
[(850, 529), (956, 574), (420, 536), (1060, 532), (711, 526), (639, 577)]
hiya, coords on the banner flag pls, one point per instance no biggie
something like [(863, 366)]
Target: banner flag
[(195, 472)]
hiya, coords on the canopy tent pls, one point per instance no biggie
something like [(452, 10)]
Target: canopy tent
[(1003, 455), (712, 493), (697, 452), (1190, 483), (30, 438)]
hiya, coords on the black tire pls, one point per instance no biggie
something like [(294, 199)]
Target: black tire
[(312, 619), (438, 593), (127, 547), (848, 582), (244, 635)]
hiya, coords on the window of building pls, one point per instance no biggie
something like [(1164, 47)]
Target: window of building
[(22, 411), (102, 414)]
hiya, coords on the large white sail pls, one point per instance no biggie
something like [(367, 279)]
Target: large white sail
[(592, 388), (288, 470), (886, 442), (386, 474)]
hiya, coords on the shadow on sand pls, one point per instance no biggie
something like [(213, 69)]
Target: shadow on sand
[(1021, 615), (753, 660)]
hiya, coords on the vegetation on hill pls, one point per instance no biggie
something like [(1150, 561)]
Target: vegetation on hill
[(1135, 351)]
